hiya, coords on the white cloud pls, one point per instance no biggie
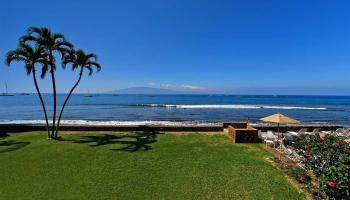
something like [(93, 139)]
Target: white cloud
[(191, 87), (166, 85), (181, 87)]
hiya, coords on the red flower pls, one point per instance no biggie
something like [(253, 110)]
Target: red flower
[(335, 145), (308, 154), (322, 138), (331, 184)]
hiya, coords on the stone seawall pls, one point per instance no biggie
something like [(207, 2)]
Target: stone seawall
[(26, 128), (13, 128)]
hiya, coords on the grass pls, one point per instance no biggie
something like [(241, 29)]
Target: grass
[(134, 166)]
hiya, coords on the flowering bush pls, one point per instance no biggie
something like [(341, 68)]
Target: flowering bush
[(300, 175), (328, 157)]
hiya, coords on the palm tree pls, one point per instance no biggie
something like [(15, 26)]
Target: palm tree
[(78, 59), (31, 57), (51, 42)]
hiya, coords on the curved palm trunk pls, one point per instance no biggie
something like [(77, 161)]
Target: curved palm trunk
[(65, 102), (54, 104), (42, 103)]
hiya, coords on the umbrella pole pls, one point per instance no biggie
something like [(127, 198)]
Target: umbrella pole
[(278, 129)]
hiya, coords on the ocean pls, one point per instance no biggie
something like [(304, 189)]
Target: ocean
[(176, 109)]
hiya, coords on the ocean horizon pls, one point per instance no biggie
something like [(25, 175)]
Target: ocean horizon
[(185, 94)]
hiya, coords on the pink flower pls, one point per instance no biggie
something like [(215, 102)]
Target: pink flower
[(331, 184), (305, 146), (335, 145), (322, 138), (308, 154)]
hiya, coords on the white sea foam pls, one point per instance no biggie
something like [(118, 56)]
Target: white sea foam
[(232, 106), (114, 123), (294, 108)]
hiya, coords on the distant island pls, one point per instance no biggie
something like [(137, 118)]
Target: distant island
[(149, 90)]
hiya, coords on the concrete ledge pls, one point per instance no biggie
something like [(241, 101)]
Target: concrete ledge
[(7, 128), (237, 124)]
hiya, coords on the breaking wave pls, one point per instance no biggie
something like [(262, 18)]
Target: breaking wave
[(230, 106)]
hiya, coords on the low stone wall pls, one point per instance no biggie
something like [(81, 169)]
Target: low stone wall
[(237, 124), (11, 128), (243, 135), (27, 128)]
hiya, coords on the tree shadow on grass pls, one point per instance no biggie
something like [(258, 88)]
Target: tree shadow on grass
[(131, 142), (10, 145), (3, 134)]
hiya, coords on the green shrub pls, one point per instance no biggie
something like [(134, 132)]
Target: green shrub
[(328, 157), (300, 175)]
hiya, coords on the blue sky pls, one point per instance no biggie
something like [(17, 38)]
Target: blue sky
[(253, 47)]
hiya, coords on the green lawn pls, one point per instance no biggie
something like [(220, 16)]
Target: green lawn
[(132, 166)]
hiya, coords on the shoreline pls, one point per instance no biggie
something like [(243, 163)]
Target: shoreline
[(83, 122)]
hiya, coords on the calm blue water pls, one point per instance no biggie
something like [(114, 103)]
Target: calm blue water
[(204, 108)]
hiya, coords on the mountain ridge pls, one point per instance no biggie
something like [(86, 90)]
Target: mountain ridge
[(148, 90)]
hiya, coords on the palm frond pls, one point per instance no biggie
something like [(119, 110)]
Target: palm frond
[(29, 68), (91, 55), (98, 66), (44, 70), (89, 68), (14, 56), (57, 36), (75, 66), (26, 47), (34, 29), (66, 59), (64, 44), (30, 55), (63, 51), (26, 38)]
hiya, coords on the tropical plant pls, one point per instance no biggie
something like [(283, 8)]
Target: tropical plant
[(31, 56), (51, 43), (79, 60), (328, 158), (299, 174)]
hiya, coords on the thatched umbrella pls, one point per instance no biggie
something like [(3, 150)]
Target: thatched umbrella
[(279, 119)]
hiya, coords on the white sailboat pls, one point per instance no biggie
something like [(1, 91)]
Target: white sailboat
[(88, 93), (6, 94)]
